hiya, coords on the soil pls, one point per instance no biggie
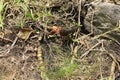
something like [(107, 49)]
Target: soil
[(27, 52)]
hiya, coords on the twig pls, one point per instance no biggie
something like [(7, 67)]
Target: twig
[(100, 66), (15, 40), (74, 52), (87, 52), (107, 36), (112, 72), (79, 7), (5, 39), (7, 51), (105, 33), (111, 55), (91, 22)]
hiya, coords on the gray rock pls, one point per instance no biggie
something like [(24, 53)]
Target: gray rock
[(104, 17)]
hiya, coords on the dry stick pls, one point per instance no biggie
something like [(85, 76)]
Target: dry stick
[(74, 53), (112, 72), (75, 49), (79, 7), (79, 13), (113, 58), (100, 58), (91, 22), (87, 52), (100, 64), (15, 40), (98, 36), (9, 48), (91, 25), (105, 34)]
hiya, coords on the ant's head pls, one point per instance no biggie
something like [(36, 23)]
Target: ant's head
[(56, 29)]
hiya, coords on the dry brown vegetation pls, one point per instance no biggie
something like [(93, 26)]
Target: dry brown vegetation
[(27, 52)]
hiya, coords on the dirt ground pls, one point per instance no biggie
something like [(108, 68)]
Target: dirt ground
[(29, 52)]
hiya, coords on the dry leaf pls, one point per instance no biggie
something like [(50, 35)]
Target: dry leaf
[(25, 33), (2, 34)]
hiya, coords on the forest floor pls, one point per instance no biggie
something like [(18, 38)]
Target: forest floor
[(29, 52)]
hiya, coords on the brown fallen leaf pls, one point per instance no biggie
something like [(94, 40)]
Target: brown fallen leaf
[(25, 33), (2, 34)]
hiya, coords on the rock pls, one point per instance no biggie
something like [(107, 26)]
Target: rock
[(104, 17)]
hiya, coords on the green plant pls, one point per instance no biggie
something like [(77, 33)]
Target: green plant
[(2, 12), (63, 72), (67, 70)]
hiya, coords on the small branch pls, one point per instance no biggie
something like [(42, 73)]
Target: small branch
[(87, 52), (15, 40), (79, 7), (112, 72), (74, 52), (7, 51), (105, 33), (112, 56), (100, 66)]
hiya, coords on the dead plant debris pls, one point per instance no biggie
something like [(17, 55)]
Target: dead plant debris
[(43, 40)]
